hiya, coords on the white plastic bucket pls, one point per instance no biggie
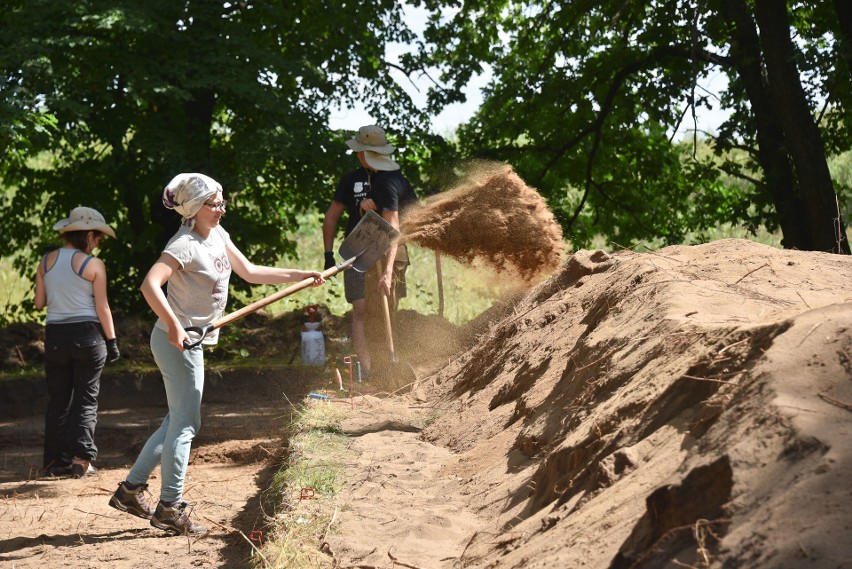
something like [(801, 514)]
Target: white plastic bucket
[(313, 345)]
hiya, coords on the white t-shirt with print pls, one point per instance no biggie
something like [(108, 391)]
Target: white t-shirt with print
[(198, 291)]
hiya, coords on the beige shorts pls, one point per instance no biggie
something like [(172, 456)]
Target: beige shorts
[(354, 282)]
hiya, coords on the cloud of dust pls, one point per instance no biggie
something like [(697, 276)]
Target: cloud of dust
[(490, 215)]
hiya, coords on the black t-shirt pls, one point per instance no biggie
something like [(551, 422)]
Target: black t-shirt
[(390, 190)]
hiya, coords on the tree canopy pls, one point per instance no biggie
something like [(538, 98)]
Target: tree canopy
[(585, 97), (104, 101)]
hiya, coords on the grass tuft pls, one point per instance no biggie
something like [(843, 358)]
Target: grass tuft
[(301, 500)]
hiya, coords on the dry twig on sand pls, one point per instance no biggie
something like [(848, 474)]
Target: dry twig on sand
[(835, 402), (327, 529), (750, 272), (715, 380), (811, 331), (398, 562)]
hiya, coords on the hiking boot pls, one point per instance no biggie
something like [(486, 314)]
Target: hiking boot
[(81, 468), (132, 501), (56, 471), (175, 520)]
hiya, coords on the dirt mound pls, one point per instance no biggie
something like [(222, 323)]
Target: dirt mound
[(22, 345), (688, 407), (491, 215)]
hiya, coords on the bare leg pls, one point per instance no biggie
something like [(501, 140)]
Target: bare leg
[(359, 337)]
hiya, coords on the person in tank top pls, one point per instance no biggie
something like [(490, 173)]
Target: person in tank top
[(79, 340)]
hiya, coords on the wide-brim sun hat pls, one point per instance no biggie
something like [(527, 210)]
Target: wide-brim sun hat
[(379, 161), (84, 219), (372, 138)]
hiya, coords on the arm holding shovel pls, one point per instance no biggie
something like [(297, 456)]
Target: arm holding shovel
[(197, 263), (261, 274), (385, 283), (166, 266), (386, 278)]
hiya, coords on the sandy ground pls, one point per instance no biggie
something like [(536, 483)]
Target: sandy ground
[(67, 522), (690, 407)]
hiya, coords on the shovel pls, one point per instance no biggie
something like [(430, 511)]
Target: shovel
[(402, 371), (361, 249)]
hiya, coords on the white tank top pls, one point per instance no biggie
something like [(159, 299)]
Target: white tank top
[(69, 296)]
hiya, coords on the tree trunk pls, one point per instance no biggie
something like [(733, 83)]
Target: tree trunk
[(801, 134), (843, 9), (199, 125), (778, 176)]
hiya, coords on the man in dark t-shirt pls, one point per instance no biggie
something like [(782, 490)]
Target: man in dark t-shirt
[(379, 186)]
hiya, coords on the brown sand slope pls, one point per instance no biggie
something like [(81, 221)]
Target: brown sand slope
[(690, 407)]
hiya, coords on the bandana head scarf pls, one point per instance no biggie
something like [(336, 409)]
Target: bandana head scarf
[(186, 194)]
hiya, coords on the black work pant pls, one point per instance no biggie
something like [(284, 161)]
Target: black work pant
[(74, 356)]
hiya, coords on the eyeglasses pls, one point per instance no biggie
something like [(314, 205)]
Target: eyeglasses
[(218, 206)]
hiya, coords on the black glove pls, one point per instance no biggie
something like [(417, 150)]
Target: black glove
[(329, 260), (112, 350)]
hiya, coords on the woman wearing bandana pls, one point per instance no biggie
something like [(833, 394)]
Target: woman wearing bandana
[(196, 265)]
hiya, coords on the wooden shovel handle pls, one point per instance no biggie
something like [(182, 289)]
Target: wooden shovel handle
[(388, 329), (255, 306)]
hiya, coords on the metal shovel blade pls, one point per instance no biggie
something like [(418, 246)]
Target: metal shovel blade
[(368, 241)]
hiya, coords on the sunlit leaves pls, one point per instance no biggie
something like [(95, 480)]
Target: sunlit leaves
[(586, 97), (119, 96)]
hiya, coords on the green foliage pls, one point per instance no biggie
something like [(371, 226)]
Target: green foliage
[(117, 97), (585, 97), (16, 297), (101, 103)]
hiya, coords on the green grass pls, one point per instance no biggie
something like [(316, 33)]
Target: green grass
[(14, 289), (314, 467)]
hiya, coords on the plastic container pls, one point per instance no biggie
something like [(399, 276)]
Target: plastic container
[(313, 344)]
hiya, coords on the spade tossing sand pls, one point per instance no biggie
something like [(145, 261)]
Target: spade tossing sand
[(493, 216)]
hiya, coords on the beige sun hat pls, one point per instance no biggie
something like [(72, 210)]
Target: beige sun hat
[(380, 161), (372, 138), (84, 219)]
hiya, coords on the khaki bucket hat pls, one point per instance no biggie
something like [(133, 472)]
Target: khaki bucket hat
[(84, 219), (372, 138)]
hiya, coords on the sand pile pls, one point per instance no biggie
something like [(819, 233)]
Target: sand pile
[(491, 215), (688, 407)]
